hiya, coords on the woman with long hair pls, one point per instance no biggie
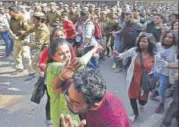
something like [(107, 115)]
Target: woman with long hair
[(174, 28), (167, 50), (147, 50), (56, 33), (59, 55)]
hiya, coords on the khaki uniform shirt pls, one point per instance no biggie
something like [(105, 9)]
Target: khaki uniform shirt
[(74, 17), (18, 23), (111, 24), (52, 17), (42, 35), (92, 16)]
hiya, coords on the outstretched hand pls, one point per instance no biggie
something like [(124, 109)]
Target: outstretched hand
[(69, 69), (115, 53), (66, 121), (99, 48)]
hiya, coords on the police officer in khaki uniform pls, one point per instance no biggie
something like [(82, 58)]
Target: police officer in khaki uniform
[(98, 11), (104, 31), (44, 8), (53, 16), (42, 37), (74, 15), (92, 11), (17, 24), (112, 22)]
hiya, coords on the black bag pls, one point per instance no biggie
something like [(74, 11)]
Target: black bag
[(38, 91), (148, 82)]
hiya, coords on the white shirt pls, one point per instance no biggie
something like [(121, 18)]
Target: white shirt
[(168, 55), (4, 18), (88, 32)]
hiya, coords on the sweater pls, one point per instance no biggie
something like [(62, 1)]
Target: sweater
[(158, 61)]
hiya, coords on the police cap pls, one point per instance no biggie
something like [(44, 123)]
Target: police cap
[(39, 15)]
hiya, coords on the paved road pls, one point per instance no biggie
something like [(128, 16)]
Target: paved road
[(16, 110)]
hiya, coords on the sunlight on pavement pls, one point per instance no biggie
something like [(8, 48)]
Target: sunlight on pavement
[(9, 102), (14, 89), (5, 83)]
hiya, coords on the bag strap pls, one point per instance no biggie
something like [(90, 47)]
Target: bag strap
[(141, 62), (91, 35)]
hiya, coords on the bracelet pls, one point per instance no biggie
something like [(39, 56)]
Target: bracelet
[(61, 78)]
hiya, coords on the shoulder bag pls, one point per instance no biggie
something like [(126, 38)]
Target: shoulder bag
[(39, 90), (148, 82)]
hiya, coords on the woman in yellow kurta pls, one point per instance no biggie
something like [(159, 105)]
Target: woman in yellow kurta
[(59, 55)]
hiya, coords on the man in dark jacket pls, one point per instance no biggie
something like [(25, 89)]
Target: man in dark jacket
[(128, 34)]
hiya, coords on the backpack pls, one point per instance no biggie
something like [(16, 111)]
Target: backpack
[(97, 31)]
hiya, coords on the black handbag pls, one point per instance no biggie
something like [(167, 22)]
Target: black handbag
[(148, 82), (39, 90)]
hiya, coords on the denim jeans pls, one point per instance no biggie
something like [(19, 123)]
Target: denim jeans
[(8, 43), (93, 63), (164, 82), (172, 111), (117, 43)]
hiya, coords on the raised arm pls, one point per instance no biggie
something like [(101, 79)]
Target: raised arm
[(70, 68)]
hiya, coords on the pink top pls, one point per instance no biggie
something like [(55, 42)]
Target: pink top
[(69, 29), (43, 59)]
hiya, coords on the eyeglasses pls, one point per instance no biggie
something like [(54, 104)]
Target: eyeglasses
[(70, 103)]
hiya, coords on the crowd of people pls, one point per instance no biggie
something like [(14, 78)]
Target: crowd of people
[(63, 44)]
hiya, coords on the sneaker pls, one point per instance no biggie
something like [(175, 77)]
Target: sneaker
[(160, 108), (132, 118), (154, 95), (19, 66), (114, 65), (141, 108)]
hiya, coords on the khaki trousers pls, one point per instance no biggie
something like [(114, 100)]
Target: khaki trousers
[(35, 63), (22, 55)]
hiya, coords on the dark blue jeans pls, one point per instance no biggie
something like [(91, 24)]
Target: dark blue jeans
[(117, 43), (164, 82), (93, 63), (8, 43)]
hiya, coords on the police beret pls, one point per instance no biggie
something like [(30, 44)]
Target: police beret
[(52, 3), (39, 15), (14, 9)]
